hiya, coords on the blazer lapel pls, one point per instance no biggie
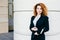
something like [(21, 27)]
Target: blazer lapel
[(39, 19)]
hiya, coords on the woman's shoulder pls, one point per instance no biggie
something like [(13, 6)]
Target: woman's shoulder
[(32, 16)]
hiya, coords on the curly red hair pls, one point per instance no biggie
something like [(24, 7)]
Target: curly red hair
[(44, 9)]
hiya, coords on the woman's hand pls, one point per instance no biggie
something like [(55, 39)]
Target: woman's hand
[(36, 33), (34, 28)]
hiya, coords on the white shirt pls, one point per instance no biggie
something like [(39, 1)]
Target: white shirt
[(36, 19)]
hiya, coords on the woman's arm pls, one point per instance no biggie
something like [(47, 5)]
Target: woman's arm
[(46, 25), (31, 24)]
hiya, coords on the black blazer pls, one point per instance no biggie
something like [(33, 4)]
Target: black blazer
[(42, 23)]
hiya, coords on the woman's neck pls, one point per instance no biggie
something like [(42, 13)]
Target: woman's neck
[(38, 14)]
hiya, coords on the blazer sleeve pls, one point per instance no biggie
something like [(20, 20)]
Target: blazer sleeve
[(31, 24), (46, 24)]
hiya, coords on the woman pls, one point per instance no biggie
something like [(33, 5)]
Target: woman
[(39, 22)]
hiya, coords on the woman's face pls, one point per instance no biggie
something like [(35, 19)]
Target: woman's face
[(39, 10)]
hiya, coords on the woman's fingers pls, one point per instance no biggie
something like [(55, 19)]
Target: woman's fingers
[(34, 29)]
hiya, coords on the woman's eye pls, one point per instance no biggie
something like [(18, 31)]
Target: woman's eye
[(37, 8)]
